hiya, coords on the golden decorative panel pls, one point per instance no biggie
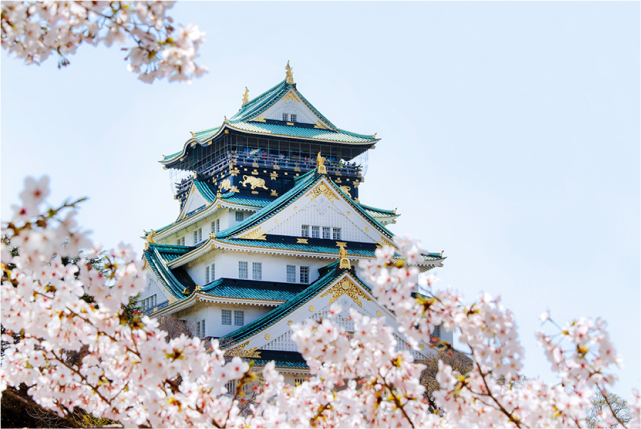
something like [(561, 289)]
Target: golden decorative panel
[(320, 125), (225, 185), (234, 189), (241, 351), (346, 287), (346, 189), (301, 241), (273, 175), (267, 336), (254, 235), (290, 96), (259, 118), (319, 190), (254, 182), (311, 308), (234, 171), (385, 242), (273, 193)]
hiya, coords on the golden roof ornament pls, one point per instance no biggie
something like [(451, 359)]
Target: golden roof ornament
[(289, 75), (246, 96), (150, 239), (344, 262), (321, 164)]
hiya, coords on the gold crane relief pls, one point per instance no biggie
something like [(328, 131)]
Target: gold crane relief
[(255, 182), (242, 351)]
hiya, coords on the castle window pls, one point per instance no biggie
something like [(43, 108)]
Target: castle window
[(231, 387), (285, 117), (183, 241), (304, 230), (298, 381), (315, 232), (243, 270), (198, 235), (304, 275), (215, 226), (336, 233), (437, 332), (178, 242), (200, 328), (291, 273), (210, 273), (149, 302), (240, 216), (257, 271), (226, 317), (293, 118), (326, 232), (239, 318)]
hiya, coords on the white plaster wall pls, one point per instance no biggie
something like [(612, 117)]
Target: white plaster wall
[(304, 114), (212, 314), (153, 287), (274, 267), (194, 201)]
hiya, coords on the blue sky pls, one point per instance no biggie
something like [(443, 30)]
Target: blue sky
[(510, 137)]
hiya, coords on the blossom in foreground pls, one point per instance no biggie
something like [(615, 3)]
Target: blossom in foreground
[(72, 353), (34, 30)]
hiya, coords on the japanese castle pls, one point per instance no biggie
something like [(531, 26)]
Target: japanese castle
[(270, 230)]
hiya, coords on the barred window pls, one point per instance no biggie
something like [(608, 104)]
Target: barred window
[(200, 235), (315, 232), (293, 117), (242, 270), (206, 274), (304, 231), (239, 318), (326, 232), (226, 317), (285, 116), (213, 272), (195, 237), (336, 233), (183, 241), (215, 226), (299, 381), (149, 302), (178, 242), (437, 332), (202, 328), (291, 273), (231, 387), (240, 216), (257, 270), (304, 274)]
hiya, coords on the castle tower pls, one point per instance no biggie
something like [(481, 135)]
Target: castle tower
[(269, 231)]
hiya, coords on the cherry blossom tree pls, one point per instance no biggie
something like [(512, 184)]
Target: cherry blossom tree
[(129, 373), (33, 30)]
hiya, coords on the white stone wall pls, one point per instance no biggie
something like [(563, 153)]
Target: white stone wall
[(274, 267), (212, 314)]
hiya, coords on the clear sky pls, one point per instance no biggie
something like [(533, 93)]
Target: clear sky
[(510, 137)]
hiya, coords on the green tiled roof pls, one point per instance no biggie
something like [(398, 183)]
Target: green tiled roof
[(298, 247), (175, 281), (328, 275), (208, 190), (252, 289), (281, 364), (339, 136), (378, 212), (243, 121)]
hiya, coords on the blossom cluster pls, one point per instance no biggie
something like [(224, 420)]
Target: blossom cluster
[(33, 30), (74, 352)]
